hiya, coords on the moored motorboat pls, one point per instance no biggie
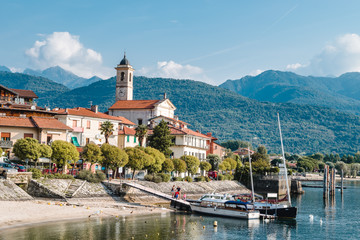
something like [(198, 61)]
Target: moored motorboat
[(224, 206)]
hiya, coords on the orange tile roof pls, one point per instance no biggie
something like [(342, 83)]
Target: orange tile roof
[(134, 104), (79, 111), (49, 123), (172, 119), (191, 132), (183, 131), (25, 93), (15, 122), (127, 131)]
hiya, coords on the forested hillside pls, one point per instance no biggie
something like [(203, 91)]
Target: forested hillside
[(341, 93), (228, 115)]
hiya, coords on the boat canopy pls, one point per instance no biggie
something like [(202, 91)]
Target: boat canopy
[(237, 202)]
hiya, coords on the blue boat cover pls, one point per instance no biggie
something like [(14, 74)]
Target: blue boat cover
[(237, 202)]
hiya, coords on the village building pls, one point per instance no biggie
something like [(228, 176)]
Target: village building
[(137, 111), (21, 118), (86, 124), (243, 152), (215, 148)]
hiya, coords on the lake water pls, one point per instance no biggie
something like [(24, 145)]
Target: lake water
[(337, 219)]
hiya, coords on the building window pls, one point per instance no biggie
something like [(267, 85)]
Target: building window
[(130, 78), (88, 124), (185, 153), (140, 121), (134, 139), (5, 136), (100, 125), (122, 76), (87, 140), (75, 124), (28, 135), (48, 138), (128, 138)]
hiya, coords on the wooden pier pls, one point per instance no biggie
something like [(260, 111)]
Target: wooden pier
[(175, 203)]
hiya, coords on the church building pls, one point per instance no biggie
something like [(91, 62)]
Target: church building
[(137, 111)]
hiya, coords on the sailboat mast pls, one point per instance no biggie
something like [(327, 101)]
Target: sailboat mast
[(251, 178), (284, 161)]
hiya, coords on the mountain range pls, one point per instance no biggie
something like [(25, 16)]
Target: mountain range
[(342, 93), (59, 75), (229, 115)]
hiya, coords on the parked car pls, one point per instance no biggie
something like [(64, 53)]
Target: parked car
[(20, 168), (7, 168)]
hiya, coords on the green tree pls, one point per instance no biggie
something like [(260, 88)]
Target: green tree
[(45, 151), (92, 154), (141, 133), (235, 144), (179, 165), (224, 166), (341, 165), (232, 163), (161, 138), (27, 148), (138, 159), (192, 163), (107, 129), (214, 160), (113, 157), (1, 152), (262, 150), (64, 153), (159, 159), (168, 165), (205, 166)]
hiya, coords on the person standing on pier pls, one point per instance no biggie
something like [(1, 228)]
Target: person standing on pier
[(173, 191)]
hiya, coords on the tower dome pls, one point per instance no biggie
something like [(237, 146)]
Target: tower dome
[(124, 61)]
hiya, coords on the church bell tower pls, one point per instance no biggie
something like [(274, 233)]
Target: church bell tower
[(124, 80)]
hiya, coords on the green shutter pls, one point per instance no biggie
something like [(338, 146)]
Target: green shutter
[(134, 139), (128, 138)]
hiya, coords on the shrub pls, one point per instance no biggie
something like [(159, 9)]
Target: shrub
[(221, 177), (157, 179), (87, 175), (149, 177), (177, 179), (36, 173), (165, 177), (59, 176), (200, 179), (207, 179), (228, 177), (188, 179)]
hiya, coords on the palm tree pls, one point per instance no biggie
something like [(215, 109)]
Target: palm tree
[(107, 129), (141, 133)]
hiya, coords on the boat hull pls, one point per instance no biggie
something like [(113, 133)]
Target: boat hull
[(226, 213), (289, 212)]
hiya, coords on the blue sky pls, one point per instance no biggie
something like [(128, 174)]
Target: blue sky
[(210, 41)]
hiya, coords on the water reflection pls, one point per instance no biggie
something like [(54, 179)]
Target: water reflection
[(335, 217)]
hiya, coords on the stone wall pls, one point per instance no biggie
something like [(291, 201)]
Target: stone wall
[(9, 191), (38, 189)]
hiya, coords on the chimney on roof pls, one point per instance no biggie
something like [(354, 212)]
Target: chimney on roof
[(165, 96), (209, 134), (197, 131), (66, 110), (176, 118), (55, 109), (95, 108)]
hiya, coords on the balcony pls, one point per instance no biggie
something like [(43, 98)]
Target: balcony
[(78, 129), (6, 144)]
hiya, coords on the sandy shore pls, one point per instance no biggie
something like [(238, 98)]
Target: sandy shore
[(20, 213)]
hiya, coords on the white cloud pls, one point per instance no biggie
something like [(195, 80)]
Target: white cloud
[(294, 66), (171, 69), (65, 50), (15, 69), (337, 57), (256, 72)]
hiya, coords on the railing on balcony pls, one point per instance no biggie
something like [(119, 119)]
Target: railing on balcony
[(78, 129), (6, 144)]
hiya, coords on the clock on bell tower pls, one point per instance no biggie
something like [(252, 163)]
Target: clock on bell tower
[(124, 80)]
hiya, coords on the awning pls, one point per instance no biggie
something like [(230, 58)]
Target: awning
[(75, 141)]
